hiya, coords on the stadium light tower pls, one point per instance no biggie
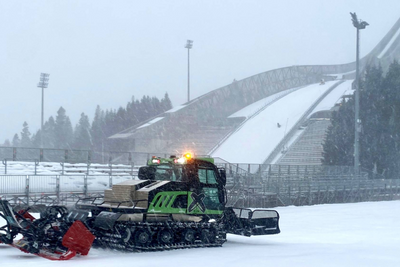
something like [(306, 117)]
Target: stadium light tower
[(43, 83), (359, 25), (189, 45)]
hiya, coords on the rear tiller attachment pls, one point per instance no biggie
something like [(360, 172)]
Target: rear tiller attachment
[(57, 235)]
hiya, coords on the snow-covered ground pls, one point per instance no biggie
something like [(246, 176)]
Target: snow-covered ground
[(359, 234), (257, 138)]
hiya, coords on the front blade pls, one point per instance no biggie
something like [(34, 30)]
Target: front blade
[(248, 222), (264, 222), (78, 238)]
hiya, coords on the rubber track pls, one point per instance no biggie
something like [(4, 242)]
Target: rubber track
[(114, 240)]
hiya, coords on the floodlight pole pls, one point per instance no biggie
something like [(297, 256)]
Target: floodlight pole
[(359, 25), (189, 45), (43, 83)]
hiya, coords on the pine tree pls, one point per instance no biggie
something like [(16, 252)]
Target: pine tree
[(391, 117), (82, 137), (380, 118), (131, 111), (63, 129), (120, 120), (36, 139), (166, 103), (145, 108), (97, 129), (155, 106), (25, 136), (109, 121), (371, 135), (16, 141), (49, 138), (7, 143), (69, 133), (338, 147)]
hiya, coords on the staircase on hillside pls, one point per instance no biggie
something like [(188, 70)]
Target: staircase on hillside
[(307, 150)]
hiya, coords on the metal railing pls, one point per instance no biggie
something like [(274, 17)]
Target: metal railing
[(52, 189), (274, 186), (61, 168), (285, 185), (76, 156)]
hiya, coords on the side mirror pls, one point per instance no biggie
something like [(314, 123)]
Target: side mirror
[(222, 173), (147, 173)]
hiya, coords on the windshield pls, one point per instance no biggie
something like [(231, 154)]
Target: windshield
[(168, 173)]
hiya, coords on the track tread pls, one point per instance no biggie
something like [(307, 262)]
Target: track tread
[(114, 240)]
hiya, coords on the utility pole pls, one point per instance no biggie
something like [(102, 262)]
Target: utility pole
[(359, 25), (189, 45), (43, 83)]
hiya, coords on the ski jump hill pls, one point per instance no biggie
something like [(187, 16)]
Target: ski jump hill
[(275, 117)]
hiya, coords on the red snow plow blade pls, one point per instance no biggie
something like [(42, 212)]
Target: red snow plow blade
[(78, 238)]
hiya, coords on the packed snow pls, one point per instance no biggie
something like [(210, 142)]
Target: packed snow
[(334, 97), (389, 44), (346, 235), (257, 138), (257, 106), (174, 109), (151, 122)]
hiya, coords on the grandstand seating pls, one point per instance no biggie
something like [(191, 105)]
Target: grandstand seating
[(200, 140), (307, 149), (56, 168)]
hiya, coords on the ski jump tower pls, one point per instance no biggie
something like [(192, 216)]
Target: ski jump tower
[(203, 123)]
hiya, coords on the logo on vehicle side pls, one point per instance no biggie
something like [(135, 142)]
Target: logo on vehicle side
[(197, 202)]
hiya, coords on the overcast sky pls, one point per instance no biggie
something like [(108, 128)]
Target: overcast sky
[(104, 52)]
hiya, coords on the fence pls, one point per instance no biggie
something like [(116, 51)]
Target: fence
[(279, 171), (281, 185), (75, 156), (311, 192), (54, 189), (62, 168), (247, 186)]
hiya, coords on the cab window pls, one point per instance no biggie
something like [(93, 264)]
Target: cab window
[(207, 176), (168, 173), (211, 199)]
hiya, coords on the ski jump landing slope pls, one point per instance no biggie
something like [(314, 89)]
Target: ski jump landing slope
[(259, 135)]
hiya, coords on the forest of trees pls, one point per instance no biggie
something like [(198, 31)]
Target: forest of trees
[(380, 118), (59, 133)]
